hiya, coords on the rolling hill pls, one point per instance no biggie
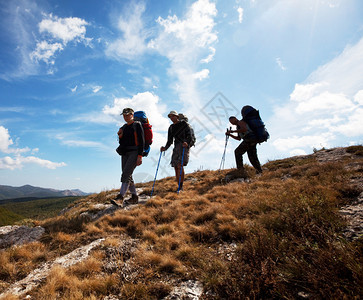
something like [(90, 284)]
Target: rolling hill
[(279, 235), (28, 191)]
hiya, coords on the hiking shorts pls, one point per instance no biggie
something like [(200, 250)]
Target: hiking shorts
[(176, 157)]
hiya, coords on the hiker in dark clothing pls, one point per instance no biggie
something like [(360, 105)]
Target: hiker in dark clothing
[(179, 131), (248, 145), (131, 139)]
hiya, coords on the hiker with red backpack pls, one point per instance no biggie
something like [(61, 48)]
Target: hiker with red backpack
[(252, 131), (131, 148), (180, 133)]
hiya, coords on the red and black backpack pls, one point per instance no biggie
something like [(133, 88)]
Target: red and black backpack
[(148, 133)]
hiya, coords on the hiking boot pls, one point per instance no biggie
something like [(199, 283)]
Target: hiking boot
[(133, 200), (118, 200)]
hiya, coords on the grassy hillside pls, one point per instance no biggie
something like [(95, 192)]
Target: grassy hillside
[(35, 209), (277, 236), (8, 217)]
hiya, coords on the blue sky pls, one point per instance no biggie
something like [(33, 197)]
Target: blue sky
[(68, 68)]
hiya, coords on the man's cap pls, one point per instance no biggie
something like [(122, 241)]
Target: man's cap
[(127, 111), (173, 113), (183, 117)]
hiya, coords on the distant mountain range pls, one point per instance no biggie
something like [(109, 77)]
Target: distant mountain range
[(10, 192)]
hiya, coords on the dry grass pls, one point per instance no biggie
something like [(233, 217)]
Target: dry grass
[(274, 237), (17, 262)]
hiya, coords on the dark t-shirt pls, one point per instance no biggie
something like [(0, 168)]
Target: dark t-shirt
[(180, 133), (132, 137)]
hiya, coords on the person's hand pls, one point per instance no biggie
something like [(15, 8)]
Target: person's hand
[(139, 160), (162, 149), (185, 144)]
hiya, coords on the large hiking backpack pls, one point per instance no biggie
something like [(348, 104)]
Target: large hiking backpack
[(184, 118), (252, 117), (193, 140), (148, 133)]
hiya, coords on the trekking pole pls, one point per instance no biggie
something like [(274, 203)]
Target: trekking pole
[(224, 153), (181, 169), (152, 190)]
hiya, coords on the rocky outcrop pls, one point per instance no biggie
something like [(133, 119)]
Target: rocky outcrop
[(191, 290), (18, 235), (353, 214)]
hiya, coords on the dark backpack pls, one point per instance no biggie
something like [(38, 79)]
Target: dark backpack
[(183, 118), (193, 139), (252, 117), (148, 133)]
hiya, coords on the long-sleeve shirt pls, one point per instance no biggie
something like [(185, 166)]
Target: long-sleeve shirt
[(132, 137), (180, 133)]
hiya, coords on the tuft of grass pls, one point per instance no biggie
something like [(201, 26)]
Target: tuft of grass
[(17, 262), (357, 150), (65, 224), (162, 263)]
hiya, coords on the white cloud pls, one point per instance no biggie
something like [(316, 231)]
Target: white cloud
[(353, 126), (280, 64), (18, 161), (96, 89), (240, 14), (93, 117), (324, 122), (325, 102), (45, 51), (296, 152), (80, 143), (148, 102), (209, 58), (202, 74), (132, 43), (303, 92), (358, 98), (185, 41), (344, 73), (310, 141), (64, 29), (5, 140), (325, 110)]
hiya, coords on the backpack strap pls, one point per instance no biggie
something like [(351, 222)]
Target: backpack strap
[(135, 133)]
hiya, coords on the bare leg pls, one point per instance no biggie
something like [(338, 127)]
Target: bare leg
[(179, 176)]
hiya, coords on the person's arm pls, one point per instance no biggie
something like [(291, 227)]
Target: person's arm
[(229, 133), (170, 140), (120, 134), (238, 138)]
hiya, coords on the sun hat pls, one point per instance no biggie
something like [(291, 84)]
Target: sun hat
[(127, 111), (173, 113)]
